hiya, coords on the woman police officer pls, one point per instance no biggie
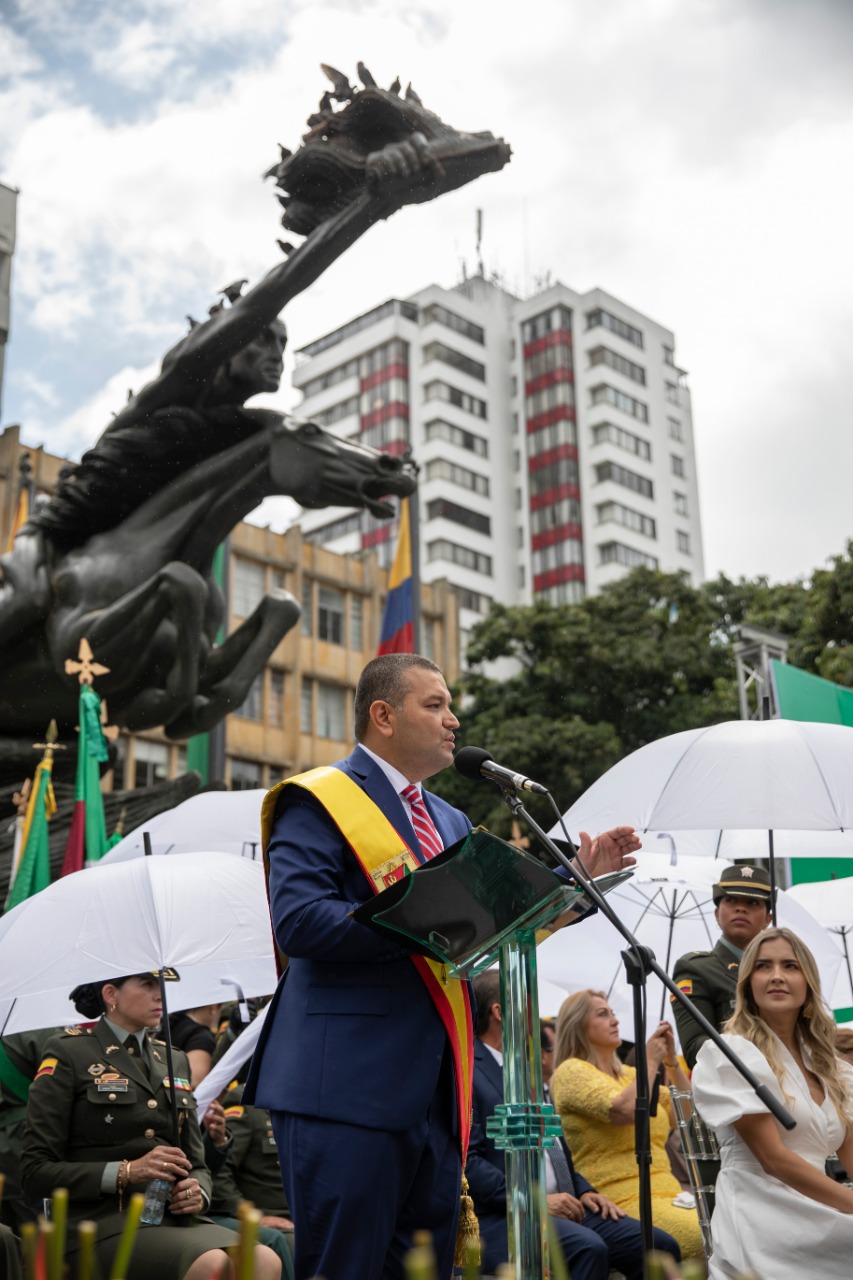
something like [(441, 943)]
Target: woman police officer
[(99, 1122)]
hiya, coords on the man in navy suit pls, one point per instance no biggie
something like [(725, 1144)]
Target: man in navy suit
[(595, 1234), (354, 1063)]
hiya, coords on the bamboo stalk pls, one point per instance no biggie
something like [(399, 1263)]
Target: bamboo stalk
[(128, 1236), (87, 1234), (56, 1245), (29, 1244), (250, 1220)]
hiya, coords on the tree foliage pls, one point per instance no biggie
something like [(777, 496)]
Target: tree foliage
[(561, 692)]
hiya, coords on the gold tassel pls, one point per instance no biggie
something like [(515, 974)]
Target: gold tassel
[(467, 1232)]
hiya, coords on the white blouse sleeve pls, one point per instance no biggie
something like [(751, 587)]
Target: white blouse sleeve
[(720, 1091)]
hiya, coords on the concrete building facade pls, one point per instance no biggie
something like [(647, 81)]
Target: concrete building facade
[(554, 435)]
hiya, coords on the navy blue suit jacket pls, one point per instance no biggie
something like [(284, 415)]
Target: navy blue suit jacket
[(352, 1034), (485, 1168)]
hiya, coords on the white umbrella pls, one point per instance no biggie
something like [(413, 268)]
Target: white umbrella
[(671, 916), (228, 1066), (204, 914), (220, 821), (831, 902), (717, 788)]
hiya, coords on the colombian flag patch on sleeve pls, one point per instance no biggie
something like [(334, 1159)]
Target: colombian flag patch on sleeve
[(47, 1068), (233, 1113), (685, 986)]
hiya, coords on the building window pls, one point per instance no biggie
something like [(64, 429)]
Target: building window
[(435, 313), (440, 508), (621, 475), (551, 436), (677, 465), (444, 549), (440, 430), (276, 707), (329, 533), (563, 593), (556, 395), (247, 581), (447, 355), (344, 409), (561, 471), (557, 318), (339, 374), (616, 513), (427, 640), (152, 762), (669, 355), (253, 704), (675, 429), (246, 775), (618, 553), (603, 394), (555, 515), (603, 355), (441, 469), (306, 707), (356, 622), (452, 395), (307, 605), (609, 433), (331, 712), (330, 616), (393, 307), (670, 392), (557, 355), (679, 502), (473, 600), (682, 541), (544, 559), (608, 321)]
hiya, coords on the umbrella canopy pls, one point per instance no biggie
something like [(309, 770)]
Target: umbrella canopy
[(831, 902), (204, 914), (219, 821), (713, 789), (671, 916)]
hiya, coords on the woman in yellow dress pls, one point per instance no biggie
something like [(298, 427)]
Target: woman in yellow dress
[(594, 1094)]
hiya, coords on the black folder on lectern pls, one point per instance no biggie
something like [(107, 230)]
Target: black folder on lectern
[(462, 906)]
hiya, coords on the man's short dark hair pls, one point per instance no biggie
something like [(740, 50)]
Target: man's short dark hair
[(385, 679), (487, 991)]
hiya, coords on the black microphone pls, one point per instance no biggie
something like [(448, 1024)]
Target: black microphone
[(474, 762)]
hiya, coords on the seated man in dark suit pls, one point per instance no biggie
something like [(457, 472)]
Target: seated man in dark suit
[(594, 1233)]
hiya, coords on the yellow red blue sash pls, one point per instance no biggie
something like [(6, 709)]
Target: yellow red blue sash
[(384, 857)]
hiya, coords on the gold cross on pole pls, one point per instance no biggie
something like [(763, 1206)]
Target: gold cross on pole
[(85, 668), (50, 743)]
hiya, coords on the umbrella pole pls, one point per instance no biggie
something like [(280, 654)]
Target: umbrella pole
[(843, 932), (772, 880), (637, 967), (167, 1036)]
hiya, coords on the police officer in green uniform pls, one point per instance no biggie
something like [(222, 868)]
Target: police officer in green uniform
[(250, 1172), (99, 1122), (20, 1055), (742, 906)]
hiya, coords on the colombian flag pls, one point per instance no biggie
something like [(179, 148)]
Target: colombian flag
[(33, 868), (87, 839), (398, 621)]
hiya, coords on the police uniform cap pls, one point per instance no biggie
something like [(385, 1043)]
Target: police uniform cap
[(743, 882)]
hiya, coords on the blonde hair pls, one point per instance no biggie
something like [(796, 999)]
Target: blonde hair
[(572, 1040), (815, 1024)]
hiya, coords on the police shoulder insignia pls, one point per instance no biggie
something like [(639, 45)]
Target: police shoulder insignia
[(73, 1031), (47, 1068), (234, 1113), (685, 986)]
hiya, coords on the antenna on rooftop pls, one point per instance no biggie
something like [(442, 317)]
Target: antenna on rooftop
[(480, 243)]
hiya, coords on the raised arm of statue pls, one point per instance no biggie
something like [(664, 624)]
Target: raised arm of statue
[(356, 166)]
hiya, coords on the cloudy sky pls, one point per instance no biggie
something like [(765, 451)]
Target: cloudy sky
[(690, 156)]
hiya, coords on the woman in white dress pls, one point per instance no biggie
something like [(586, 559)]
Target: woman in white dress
[(777, 1213)]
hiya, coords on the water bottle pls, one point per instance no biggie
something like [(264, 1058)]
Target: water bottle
[(156, 1194)]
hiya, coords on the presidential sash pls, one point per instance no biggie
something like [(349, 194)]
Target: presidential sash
[(385, 857)]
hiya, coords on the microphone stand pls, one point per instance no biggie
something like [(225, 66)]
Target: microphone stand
[(639, 962)]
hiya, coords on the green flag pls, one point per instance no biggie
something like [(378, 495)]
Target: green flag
[(33, 872)]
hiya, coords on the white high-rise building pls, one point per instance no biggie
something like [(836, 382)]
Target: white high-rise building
[(554, 435)]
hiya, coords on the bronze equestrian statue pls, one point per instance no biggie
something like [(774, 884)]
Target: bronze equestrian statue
[(122, 553)]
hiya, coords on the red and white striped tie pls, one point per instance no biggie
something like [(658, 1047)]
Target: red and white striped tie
[(428, 838)]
